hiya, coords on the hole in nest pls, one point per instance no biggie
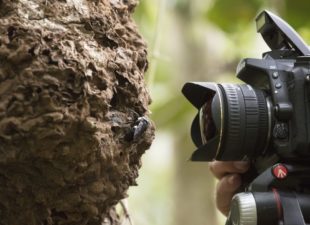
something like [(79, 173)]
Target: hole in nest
[(28, 93), (114, 101), (106, 42), (31, 51), (10, 128), (48, 38), (100, 84), (142, 64), (58, 214), (38, 90), (46, 52), (121, 79), (114, 129), (11, 32)]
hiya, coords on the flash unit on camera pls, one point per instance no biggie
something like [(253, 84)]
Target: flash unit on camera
[(260, 22)]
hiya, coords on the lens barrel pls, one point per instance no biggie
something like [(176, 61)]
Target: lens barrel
[(245, 122), (233, 122)]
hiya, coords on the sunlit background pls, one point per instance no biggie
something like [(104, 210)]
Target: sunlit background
[(192, 40)]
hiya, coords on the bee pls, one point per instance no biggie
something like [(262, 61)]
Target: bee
[(138, 129), (132, 127)]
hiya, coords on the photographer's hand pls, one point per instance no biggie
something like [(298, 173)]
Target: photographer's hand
[(229, 177)]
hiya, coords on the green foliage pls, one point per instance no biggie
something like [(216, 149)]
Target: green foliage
[(232, 16), (183, 7), (145, 16), (297, 13)]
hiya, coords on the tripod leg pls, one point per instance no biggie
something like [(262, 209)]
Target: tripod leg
[(292, 214)]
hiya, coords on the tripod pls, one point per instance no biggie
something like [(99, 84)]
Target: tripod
[(278, 196)]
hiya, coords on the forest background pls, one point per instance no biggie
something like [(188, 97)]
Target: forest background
[(190, 40)]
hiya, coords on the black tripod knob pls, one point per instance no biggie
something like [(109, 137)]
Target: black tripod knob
[(249, 208)]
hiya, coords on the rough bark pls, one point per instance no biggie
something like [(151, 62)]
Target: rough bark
[(71, 91)]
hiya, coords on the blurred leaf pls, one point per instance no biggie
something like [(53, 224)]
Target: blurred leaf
[(145, 12), (145, 16), (231, 16), (297, 13), (183, 7), (171, 114), (305, 34)]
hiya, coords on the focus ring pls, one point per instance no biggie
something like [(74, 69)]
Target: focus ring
[(234, 124), (234, 114), (251, 118), (256, 117), (245, 122)]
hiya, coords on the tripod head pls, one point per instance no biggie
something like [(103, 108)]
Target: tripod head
[(277, 196)]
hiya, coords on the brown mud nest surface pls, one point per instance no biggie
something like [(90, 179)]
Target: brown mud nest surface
[(72, 95)]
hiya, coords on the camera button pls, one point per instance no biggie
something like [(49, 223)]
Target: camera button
[(278, 85), (280, 171), (275, 75)]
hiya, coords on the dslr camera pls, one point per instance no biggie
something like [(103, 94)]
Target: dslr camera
[(264, 120)]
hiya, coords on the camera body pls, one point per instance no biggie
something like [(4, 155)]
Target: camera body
[(265, 120), (284, 76)]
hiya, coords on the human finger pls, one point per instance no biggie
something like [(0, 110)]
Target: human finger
[(221, 168), (225, 190)]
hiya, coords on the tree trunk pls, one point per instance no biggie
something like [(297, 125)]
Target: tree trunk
[(71, 92)]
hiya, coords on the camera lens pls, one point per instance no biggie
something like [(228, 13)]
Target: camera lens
[(207, 126), (233, 122)]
